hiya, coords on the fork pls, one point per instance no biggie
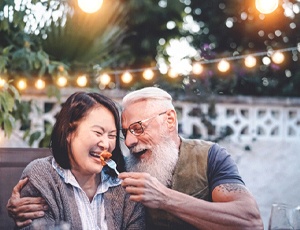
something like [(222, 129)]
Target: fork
[(112, 165)]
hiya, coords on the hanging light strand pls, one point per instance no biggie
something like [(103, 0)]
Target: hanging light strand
[(217, 60), (131, 70), (276, 55), (253, 54)]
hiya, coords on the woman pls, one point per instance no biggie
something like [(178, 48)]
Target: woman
[(77, 187)]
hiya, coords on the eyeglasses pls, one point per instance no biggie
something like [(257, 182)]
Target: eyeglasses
[(136, 128)]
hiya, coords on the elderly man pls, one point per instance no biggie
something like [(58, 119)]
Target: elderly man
[(184, 183)]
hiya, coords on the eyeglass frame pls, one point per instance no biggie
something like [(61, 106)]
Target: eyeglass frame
[(124, 131)]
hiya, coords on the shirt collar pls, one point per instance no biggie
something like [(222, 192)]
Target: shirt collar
[(67, 176)]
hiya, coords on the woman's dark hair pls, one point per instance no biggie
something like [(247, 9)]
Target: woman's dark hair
[(76, 108)]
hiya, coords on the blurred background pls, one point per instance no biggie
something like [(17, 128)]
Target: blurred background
[(232, 67)]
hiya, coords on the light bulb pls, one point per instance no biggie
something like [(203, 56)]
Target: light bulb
[(22, 84), (104, 79), (266, 6), (250, 61), (197, 68), (172, 73), (62, 81), (82, 81), (277, 57), (126, 77), (90, 6), (223, 66), (40, 84), (148, 74)]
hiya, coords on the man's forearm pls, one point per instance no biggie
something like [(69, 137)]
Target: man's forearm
[(238, 214)]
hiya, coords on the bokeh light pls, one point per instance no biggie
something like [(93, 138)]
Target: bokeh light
[(40, 84), (223, 66), (62, 81), (172, 73), (90, 6), (277, 57), (104, 79), (2, 82), (126, 77), (197, 68), (22, 84), (250, 61), (266, 6), (148, 74), (81, 81)]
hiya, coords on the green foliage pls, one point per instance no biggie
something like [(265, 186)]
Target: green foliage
[(74, 42), (251, 34), (8, 96), (125, 34)]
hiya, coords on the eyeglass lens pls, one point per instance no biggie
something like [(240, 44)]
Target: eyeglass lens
[(135, 128)]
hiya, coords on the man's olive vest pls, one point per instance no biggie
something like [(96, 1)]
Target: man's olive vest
[(190, 177)]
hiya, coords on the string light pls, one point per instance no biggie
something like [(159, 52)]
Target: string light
[(172, 73), (126, 77), (22, 84), (250, 61), (244, 56), (148, 74), (278, 57), (104, 79), (82, 81), (223, 66), (197, 68), (62, 81), (40, 84)]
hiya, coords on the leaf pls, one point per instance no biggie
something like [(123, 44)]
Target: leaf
[(33, 137), (26, 134), (8, 125), (7, 102), (7, 50), (3, 62), (15, 93), (42, 71), (53, 91)]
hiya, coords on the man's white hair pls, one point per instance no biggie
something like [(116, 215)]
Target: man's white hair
[(161, 98)]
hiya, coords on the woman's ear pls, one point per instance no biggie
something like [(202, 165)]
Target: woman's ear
[(69, 138), (172, 119)]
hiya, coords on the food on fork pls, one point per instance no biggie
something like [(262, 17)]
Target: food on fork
[(104, 156)]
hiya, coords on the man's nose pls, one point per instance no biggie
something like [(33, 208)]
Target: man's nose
[(130, 140)]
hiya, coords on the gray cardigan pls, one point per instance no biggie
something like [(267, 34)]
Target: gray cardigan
[(120, 212)]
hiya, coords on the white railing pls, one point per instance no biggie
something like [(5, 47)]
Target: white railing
[(248, 118), (258, 119)]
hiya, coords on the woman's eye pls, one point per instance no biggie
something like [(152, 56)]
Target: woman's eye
[(112, 136), (98, 133)]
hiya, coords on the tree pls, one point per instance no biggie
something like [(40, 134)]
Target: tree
[(235, 27), (64, 41)]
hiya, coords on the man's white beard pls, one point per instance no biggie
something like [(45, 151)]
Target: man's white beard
[(160, 164)]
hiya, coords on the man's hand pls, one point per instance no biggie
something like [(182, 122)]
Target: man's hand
[(23, 210), (144, 188)]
